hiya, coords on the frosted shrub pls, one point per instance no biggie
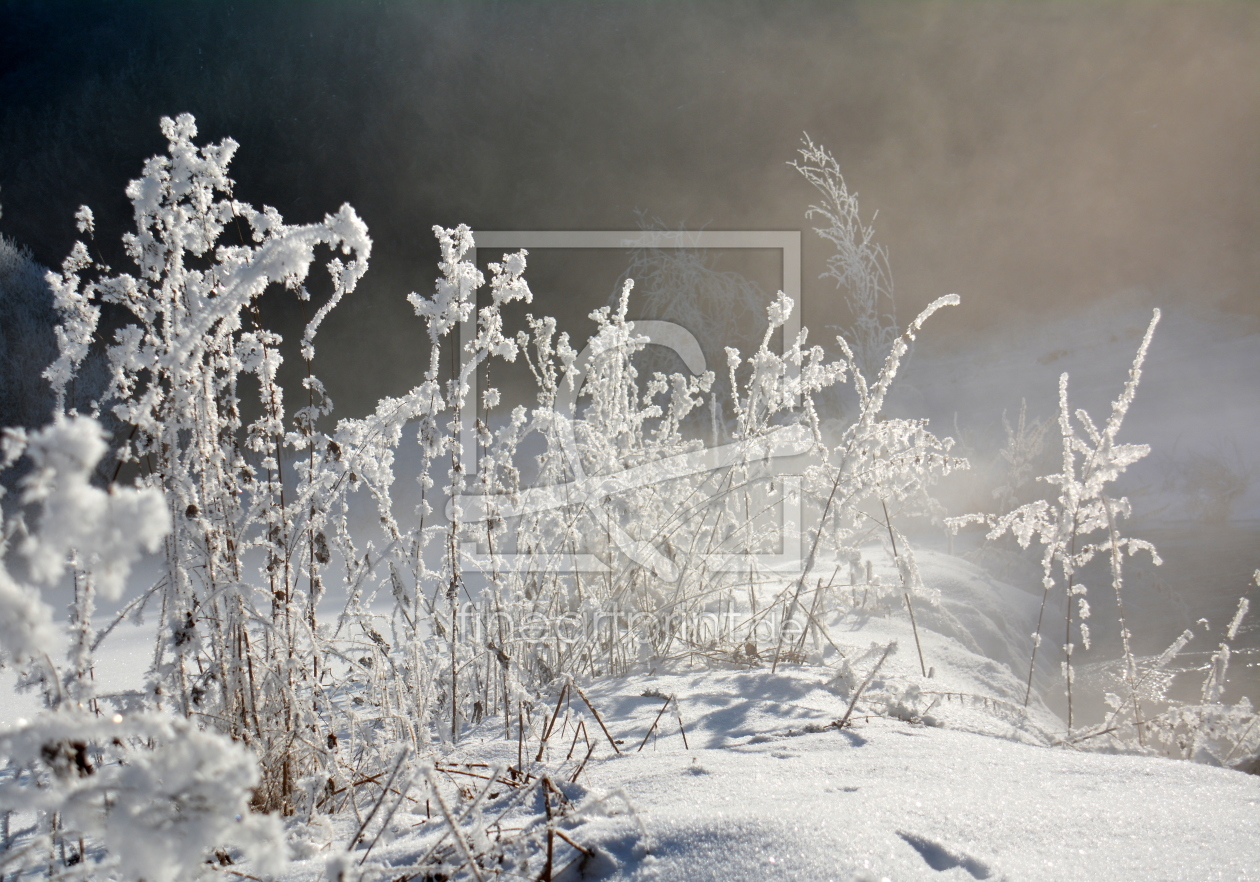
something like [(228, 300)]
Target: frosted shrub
[(252, 518), (624, 428), (141, 796), (439, 417), (678, 540), (106, 530), (623, 476), (1092, 459), (259, 508), (1209, 729), (878, 459), (230, 645), (859, 265)]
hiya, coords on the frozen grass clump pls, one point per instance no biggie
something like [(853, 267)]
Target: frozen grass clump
[(596, 504), (1083, 523), (138, 796), (859, 266)]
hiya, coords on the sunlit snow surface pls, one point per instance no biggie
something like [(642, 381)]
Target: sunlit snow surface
[(887, 799), (766, 789), (765, 792)]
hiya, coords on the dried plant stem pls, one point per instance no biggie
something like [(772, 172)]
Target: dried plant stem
[(844, 721), (456, 833), (551, 833), (542, 744), (914, 626), (582, 765), (1032, 661), (1117, 582), (1237, 744), (402, 757), (598, 718), (1067, 645), (402, 795), (902, 572), (681, 728), (585, 851), (652, 728), (580, 729)]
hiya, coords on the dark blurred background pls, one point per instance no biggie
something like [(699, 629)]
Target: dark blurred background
[(1033, 157)]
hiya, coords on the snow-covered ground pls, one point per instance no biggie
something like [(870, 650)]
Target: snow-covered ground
[(945, 777), (758, 795), (766, 787)]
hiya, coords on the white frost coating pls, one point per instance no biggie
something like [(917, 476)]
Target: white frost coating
[(1243, 605), (1092, 460), (26, 628), (261, 531), (859, 265), (108, 529), (155, 790)]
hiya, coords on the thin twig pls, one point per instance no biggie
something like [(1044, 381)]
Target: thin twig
[(551, 723), (844, 721), (402, 756), (505, 781), (915, 627), (385, 822), (598, 718), (652, 728), (582, 766), (580, 729), (904, 581), (456, 833), (551, 833)]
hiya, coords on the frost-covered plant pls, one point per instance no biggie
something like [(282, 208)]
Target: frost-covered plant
[(140, 796), (258, 507), (677, 541), (1207, 729), (453, 302), (229, 646), (675, 537), (1065, 527), (877, 459), (620, 430), (859, 265), (685, 285)]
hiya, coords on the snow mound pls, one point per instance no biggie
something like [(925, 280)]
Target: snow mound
[(763, 790)]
